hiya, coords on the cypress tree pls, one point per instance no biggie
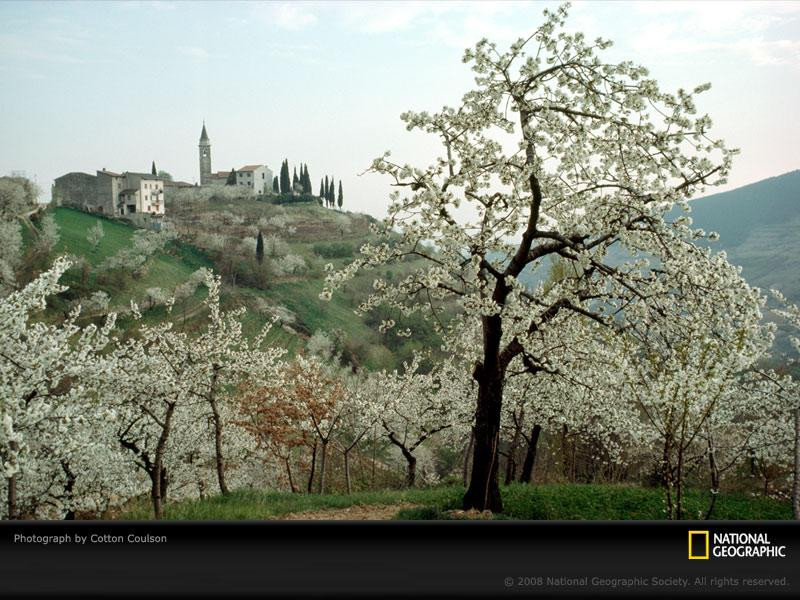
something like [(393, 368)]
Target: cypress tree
[(153, 169), (295, 180), (306, 180), (285, 183), (321, 189), (260, 248), (325, 193), (331, 194), (231, 180), (341, 198), (275, 185)]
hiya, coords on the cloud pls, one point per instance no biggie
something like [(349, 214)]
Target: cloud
[(748, 30)]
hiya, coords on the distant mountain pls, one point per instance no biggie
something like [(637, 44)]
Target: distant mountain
[(759, 227)]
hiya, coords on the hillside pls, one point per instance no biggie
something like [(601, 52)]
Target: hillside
[(221, 236), (759, 227)]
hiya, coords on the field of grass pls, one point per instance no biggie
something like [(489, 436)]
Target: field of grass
[(165, 269), (535, 502)]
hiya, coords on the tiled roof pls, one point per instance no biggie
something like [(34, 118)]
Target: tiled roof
[(250, 167), (143, 175), (109, 173)]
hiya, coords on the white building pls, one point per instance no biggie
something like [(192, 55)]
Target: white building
[(111, 193), (257, 177), (141, 193)]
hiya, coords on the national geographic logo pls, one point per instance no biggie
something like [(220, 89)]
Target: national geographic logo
[(703, 545)]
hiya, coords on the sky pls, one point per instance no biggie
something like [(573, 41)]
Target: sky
[(117, 85)]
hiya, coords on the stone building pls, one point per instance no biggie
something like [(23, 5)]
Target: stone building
[(78, 190), (109, 193)]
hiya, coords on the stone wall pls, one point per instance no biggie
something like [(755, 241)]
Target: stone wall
[(77, 190)]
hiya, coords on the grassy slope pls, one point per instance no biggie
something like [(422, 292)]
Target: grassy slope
[(168, 269), (539, 502), (165, 270)]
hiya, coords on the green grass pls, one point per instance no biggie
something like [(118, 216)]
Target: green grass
[(74, 225), (536, 502), (165, 269), (615, 502), (256, 505), (302, 298)]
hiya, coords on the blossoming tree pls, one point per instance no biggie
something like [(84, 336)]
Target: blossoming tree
[(601, 156), (791, 388), (41, 368)]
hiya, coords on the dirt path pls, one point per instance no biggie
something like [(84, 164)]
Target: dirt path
[(364, 512)]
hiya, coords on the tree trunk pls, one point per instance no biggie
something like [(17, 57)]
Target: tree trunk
[(322, 465), (714, 472), (374, 451), (565, 452), (69, 486), (484, 492), (12, 487), (218, 425), (347, 472), (530, 455), (411, 469), (12, 497), (511, 460), (289, 472), (467, 454), (158, 476), (411, 472), (164, 481), (796, 483), (679, 487), (666, 471), (313, 468)]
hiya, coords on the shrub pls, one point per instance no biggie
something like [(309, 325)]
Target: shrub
[(293, 198), (333, 250)]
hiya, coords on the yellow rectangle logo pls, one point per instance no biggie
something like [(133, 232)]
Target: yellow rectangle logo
[(697, 534)]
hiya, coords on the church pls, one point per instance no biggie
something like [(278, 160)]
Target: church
[(257, 177)]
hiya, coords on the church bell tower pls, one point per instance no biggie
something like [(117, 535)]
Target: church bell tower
[(205, 157)]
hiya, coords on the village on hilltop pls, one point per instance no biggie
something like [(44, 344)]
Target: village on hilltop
[(140, 197)]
